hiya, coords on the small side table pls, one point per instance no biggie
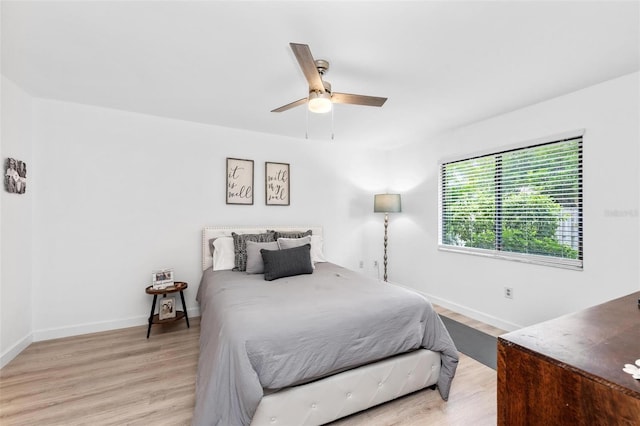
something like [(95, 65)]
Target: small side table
[(177, 286)]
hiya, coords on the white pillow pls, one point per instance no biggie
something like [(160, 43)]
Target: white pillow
[(224, 255), (317, 255)]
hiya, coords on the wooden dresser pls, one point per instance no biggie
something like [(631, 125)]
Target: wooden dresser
[(568, 371)]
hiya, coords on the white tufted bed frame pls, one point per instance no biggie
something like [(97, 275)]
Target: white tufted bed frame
[(342, 394)]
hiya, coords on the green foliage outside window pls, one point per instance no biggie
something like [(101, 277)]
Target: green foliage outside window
[(518, 201)]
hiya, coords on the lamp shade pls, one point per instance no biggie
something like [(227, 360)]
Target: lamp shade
[(387, 203)]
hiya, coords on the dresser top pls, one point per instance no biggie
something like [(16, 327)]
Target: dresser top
[(595, 342)]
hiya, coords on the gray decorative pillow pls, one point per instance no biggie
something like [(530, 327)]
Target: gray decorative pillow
[(255, 265), (240, 246), (287, 243), (287, 262), (291, 234)]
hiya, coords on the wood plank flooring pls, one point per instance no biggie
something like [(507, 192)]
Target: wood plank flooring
[(485, 328), (121, 378)]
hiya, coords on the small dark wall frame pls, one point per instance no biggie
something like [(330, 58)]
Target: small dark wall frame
[(239, 181), (277, 184), (15, 176)]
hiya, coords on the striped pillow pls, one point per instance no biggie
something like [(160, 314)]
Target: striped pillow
[(240, 246), (291, 234)]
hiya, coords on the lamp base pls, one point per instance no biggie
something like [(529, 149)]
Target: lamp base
[(386, 226)]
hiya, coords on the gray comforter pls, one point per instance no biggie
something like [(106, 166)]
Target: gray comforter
[(258, 336)]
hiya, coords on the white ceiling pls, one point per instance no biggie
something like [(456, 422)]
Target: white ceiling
[(228, 63)]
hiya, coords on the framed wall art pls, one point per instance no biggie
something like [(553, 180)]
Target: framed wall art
[(15, 176), (239, 181), (276, 184)]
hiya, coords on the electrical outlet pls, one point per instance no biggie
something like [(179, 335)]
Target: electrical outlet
[(375, 263), (361, 264), (508, 292)]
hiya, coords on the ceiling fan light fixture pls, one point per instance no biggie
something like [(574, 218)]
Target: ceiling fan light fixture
[(321, 98), (319, 103)]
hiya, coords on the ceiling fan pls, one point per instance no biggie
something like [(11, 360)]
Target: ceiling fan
[(321, 97)]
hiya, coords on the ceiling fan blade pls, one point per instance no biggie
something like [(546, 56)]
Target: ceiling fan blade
[(291, 105), (308, 65), (348, 98)]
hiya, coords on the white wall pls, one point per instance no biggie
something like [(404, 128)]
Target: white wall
[(609, 112), (114, 195), (121, 194), (16, 221)]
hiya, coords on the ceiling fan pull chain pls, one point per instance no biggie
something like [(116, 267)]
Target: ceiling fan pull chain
[(306, 130), (332, 123)]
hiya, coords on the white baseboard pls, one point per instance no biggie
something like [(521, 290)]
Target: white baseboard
[(95, 327), (75, 330), (466, 311), (472, 313), (14, 350)]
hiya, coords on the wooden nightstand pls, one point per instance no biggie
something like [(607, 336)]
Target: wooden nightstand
[(177, 286)]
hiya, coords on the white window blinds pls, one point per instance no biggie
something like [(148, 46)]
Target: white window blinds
[(523, 204)]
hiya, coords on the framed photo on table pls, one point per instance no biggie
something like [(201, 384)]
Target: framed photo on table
[(239, 181), (162, 279), (277, 184), (15, 176), (167, 308)]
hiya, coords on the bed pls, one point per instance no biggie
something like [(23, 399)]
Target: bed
[(309, 348)]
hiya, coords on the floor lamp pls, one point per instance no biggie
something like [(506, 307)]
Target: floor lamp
[(386, 203)]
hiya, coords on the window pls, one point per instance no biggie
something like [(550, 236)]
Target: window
[(522, 204)]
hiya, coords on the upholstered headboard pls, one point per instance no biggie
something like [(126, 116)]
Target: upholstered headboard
[(225, 231)]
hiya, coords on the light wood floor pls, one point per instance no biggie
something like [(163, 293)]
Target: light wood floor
[(485, 328), (121, 378)]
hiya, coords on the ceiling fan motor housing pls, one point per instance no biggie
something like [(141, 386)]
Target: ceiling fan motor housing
[(327, 89), (322, 65)]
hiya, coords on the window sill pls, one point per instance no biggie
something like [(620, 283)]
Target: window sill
[(572, 264)]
